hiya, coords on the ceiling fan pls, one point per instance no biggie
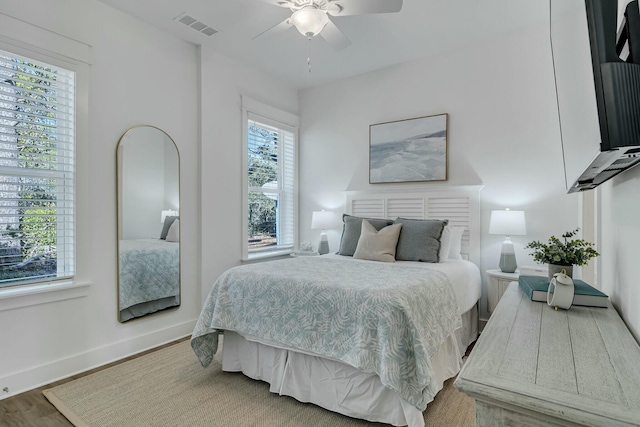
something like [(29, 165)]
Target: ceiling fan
[(311, 17)]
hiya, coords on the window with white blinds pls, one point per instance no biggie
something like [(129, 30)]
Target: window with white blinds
[(37, 138), (271, 185)]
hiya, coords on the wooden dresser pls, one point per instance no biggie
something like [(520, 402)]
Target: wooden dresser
[(536, 366)]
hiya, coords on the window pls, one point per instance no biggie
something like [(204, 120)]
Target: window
[(37, 139), (271, 190)]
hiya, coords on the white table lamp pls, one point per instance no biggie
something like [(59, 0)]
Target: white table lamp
[(322, 220), (510, 223)]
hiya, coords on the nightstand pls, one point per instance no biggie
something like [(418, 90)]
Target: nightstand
[(498, 283)]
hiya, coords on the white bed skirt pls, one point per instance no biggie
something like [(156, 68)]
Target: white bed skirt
[(336, 386)]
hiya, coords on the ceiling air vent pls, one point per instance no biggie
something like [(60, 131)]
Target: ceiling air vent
[(194, 24)]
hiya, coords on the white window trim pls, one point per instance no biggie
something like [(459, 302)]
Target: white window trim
[(250, 105), (74, 55), (42, 293)]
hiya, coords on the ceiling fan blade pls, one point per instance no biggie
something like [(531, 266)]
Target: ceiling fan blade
[(278, 28), (281, 3), (334, 36), (363, 7)]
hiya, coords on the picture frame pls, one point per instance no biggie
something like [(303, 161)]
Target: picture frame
[(411, 150)]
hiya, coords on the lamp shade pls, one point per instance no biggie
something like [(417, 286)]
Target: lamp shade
[(309, 21), (321, 220), (508, 223)]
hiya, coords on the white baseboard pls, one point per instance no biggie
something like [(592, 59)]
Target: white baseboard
[(56, 370)]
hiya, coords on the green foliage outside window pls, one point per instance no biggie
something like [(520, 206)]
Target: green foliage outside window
[(35, 231), (263, 169)]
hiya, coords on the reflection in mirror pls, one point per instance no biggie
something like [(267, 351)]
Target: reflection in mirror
[(148, 223)]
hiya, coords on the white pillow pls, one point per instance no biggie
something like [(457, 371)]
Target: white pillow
[(173, 235), (456, 242), (445, 244), (377, 245)]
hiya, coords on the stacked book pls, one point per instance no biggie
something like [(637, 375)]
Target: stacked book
[(535, 287)]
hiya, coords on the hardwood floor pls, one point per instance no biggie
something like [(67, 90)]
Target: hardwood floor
[(32, 409)]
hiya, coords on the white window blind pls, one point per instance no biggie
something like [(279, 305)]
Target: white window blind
[(37, 122), (271, 182)]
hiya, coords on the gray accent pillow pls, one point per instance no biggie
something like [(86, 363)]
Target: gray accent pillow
[(168, 220), (419, 239), (378, 245), (352, 229)]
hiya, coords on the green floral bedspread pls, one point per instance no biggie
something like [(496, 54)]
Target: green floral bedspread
[(381, 318), (149, 269)]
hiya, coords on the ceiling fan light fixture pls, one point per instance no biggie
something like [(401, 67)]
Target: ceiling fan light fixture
[(309, 21)]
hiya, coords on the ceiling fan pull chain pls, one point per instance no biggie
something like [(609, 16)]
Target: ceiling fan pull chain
[(309, 53)]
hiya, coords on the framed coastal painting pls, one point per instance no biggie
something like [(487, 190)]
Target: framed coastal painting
[(410, 150)]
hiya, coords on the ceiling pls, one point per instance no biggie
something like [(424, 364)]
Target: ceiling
[(422, 28)]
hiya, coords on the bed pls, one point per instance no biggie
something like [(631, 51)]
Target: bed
[(366, 339), (149, 276)]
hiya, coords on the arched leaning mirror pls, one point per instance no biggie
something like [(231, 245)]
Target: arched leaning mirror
[(148, 223)]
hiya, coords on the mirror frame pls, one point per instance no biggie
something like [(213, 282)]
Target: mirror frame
[(119, 219)]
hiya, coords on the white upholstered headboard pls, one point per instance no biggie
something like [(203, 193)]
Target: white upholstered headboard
[(459, 204)]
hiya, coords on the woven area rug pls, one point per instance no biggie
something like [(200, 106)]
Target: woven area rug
[(169, 387)]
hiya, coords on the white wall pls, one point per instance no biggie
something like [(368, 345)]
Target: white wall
[(619, 234), (503, 134), (223, 84)]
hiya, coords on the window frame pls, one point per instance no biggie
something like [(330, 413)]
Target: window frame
[(285, 121), (54, 49), (64, 175)]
